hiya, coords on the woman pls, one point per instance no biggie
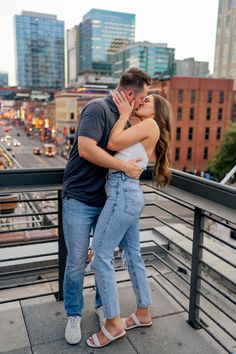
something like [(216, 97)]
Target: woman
[(118, 223)]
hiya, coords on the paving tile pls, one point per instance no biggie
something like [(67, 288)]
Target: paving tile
[(61, 347), (172, 335), (18, 351), (13, 334), (45, 319)]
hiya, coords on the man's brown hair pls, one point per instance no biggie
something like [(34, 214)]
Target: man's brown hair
[(135, 79)]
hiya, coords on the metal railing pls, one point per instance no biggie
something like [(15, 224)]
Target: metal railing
[(202, 256)]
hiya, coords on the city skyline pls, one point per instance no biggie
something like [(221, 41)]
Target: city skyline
[(198, 17)]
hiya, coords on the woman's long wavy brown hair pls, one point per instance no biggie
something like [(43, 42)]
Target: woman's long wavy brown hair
[(163, 117)]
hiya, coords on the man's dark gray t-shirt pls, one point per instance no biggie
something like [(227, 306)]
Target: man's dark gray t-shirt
[(84, 180)]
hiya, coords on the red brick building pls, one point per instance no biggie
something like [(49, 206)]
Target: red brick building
[(202, 113)]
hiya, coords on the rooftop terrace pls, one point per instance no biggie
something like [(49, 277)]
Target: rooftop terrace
[(188, 245)]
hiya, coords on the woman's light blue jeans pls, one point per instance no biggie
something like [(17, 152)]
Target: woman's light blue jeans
[(78, 221), (118, 224)]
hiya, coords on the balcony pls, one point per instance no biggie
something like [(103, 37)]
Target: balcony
[(188, 245)]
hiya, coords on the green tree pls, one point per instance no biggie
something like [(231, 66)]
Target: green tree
[(225, 157)]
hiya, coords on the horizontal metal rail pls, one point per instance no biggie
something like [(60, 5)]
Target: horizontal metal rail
[(28, 243), (223, 223), (174, 256), (214, 337), (170, 267), (170, 281), (169, 293), (216, 306), (26, 200), (222, 293), (217, 323), (36, 282), (169, 212), (218, 239), (31, 228), (32, 270), (169, 197), (218, 256), (27, 214), (166, 224), (29, 257)]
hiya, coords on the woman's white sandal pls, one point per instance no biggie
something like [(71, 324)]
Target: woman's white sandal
[(136, 324), (97, 344)]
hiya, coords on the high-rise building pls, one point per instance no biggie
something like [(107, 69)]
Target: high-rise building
[(225, 47), (154, 58), (3, 78), (39, 50), (102, 33), (191, 68), (72, 55)]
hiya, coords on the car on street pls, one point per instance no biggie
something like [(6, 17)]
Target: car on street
[(6, 138), (38, 151), (16, 142), (49, 152), (8, 146)]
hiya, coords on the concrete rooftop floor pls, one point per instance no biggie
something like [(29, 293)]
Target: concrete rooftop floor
[(37, 326)]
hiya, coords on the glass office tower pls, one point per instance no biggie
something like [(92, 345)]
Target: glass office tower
[(39, 50), (102, 33), (156, 59)]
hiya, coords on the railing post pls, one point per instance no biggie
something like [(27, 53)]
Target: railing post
[(62, 252), (195, 268)]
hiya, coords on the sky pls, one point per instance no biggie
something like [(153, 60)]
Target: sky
[(189, 26)]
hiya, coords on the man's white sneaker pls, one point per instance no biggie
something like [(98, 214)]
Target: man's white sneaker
[(100, 314), (73, 330)]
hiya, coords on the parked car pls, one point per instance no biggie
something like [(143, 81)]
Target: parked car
[(37, 151)]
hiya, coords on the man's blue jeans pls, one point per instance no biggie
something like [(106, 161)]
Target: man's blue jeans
[(78, 221), (118, 224)]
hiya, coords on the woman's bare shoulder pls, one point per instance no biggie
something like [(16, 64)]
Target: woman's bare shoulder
[(148, 124)]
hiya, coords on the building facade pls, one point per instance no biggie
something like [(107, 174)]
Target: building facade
[(225, 45), (39, 50), (72, 55), (191, 68), (202, 110), (156, 59), (68, 106), (3, 78), (102, 33)]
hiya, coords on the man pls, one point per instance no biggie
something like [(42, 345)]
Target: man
[(83, 189)]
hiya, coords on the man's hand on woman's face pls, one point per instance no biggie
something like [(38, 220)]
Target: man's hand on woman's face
[(123, 105)]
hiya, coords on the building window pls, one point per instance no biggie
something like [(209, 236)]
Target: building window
[(180, 95), (177, 153), (179, 113), (190, 133), (209, 97), (220, 113), (218, 133), (189, 153), (208, 113), (229, 4), (205, 153), (221, 97), (72, 116), (178, 133), (220, 6), (207, 133), (193, 96), (191, 113)]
